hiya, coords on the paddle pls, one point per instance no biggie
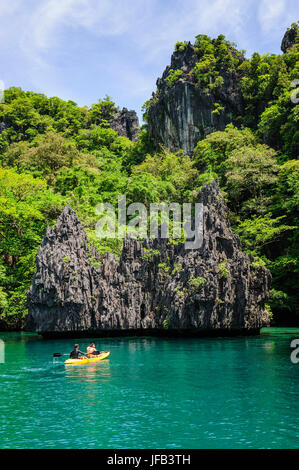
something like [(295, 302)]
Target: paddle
[(59, 354)]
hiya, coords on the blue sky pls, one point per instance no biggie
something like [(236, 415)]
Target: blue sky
[(85, 49)]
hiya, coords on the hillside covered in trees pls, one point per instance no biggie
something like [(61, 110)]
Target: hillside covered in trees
[(53, 152)]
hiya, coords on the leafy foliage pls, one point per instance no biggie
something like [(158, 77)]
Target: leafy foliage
[(263, 196), (102, 112), (53, 152), (180, 46), (223, 270), (197, 283), (214, 56), (26, 208), (172, 77)]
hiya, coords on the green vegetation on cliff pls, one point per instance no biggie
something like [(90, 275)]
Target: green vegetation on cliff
[(263, 196), (53, 152)]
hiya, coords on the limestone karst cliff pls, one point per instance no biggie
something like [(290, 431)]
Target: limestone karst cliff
[(184, 111), (126, 123), (155, 286), (289, 38)]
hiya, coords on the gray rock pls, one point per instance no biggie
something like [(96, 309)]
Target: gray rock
[(289, 38), (181, 115), (126, 123), (155, 286)]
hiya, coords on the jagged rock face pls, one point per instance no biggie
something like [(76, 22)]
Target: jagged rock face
[(181, 115), (289, 39), (126, 123), (155, 285), (64, 284)]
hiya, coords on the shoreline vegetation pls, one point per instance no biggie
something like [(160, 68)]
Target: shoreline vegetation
[(53, 152)]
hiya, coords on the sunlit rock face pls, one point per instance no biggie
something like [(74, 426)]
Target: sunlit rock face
[(184, 113), (156, 286)]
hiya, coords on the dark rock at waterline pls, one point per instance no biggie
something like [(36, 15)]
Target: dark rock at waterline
[(11, 323), (184, 113), (155, 286)]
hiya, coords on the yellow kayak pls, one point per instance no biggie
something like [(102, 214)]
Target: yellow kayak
[(87, 360)]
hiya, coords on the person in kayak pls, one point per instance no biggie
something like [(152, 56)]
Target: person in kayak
[(91, 350), (75, 352)]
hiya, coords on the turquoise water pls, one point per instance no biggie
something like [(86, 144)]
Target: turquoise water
[(150, 393)]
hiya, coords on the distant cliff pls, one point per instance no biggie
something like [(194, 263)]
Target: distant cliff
[(126, 123), (290, 38), (192, 101), (156, 285)]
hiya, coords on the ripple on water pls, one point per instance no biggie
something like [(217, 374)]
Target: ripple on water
[(152, 393)]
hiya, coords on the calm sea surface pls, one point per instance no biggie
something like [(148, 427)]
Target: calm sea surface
[(151, 393)]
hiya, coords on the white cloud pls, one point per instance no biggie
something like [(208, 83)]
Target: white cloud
[(41, 25), (193, 17), (40, 34), (228, 14), (53, 22), (154, 28), (7, 8), (273, 14), (45, 27), (269, 13), (103, 18)]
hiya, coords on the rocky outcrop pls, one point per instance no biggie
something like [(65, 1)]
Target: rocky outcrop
[(181, 114), (65, 285), (126, 123), (155, 286), (289, 38)]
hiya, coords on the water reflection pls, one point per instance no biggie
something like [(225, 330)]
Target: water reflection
[(89, 373), (269, 346), (88, 384)]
